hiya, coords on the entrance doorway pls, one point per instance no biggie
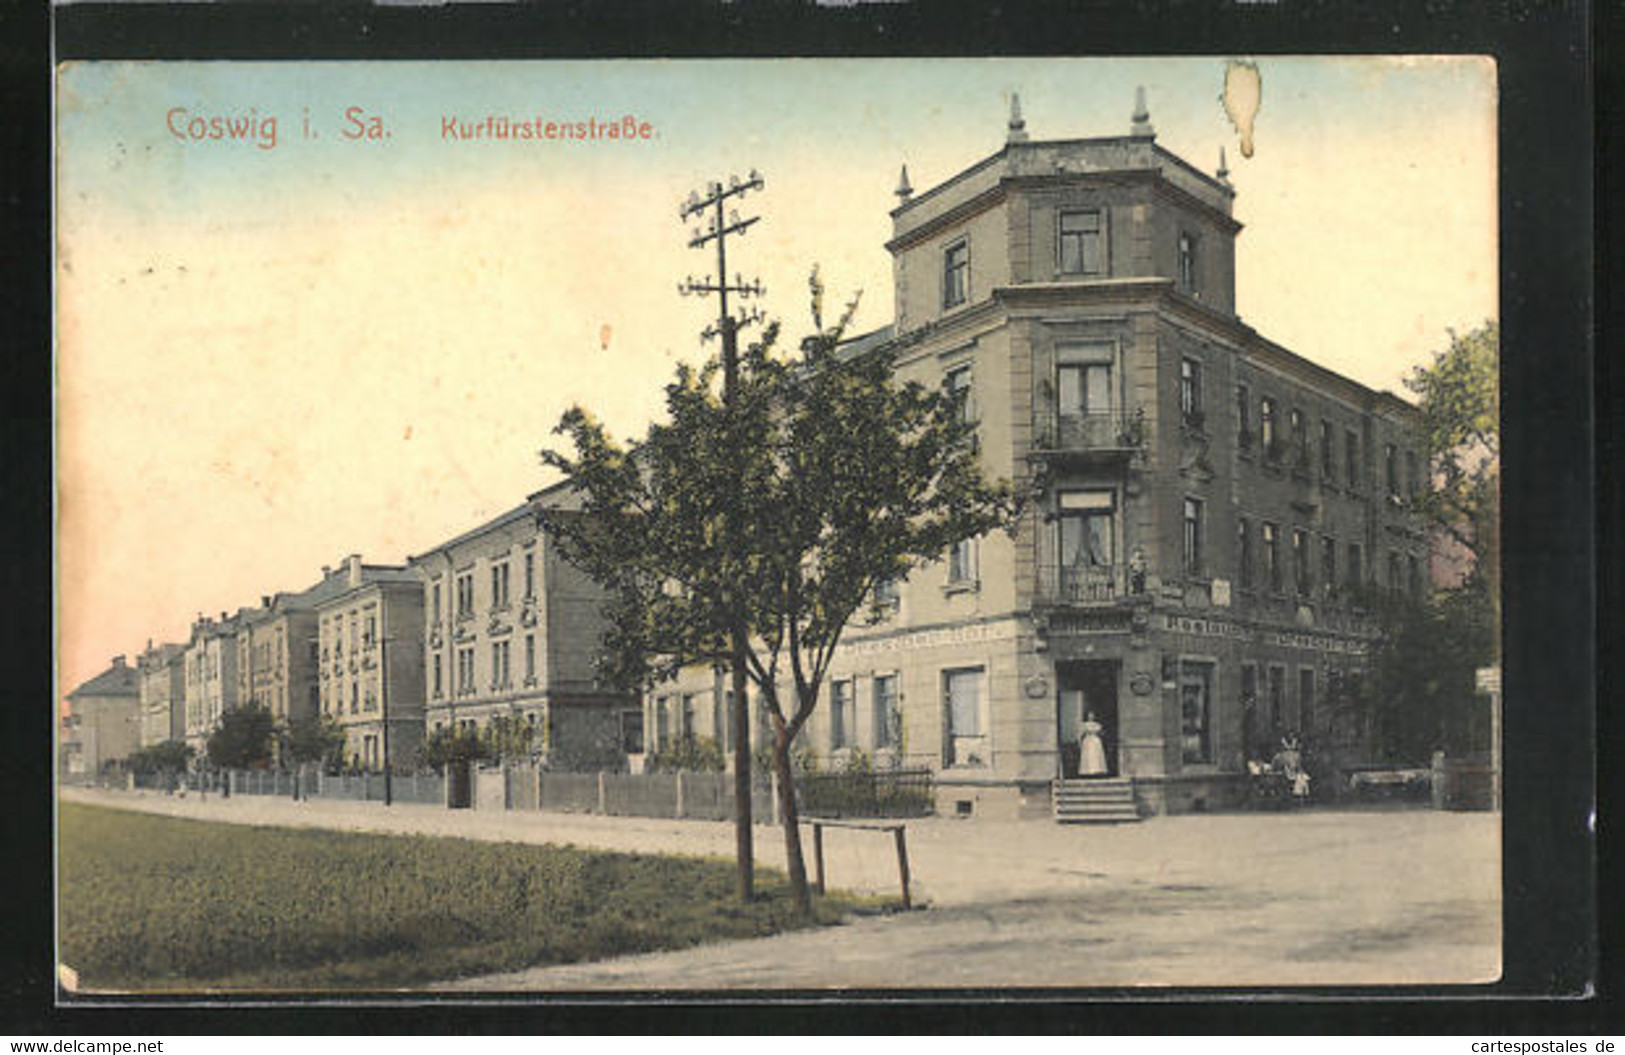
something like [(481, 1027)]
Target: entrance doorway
[(1084, 688)]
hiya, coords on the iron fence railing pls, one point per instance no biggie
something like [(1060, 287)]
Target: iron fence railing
[(879, 793), (1108, 431), (1061, 583)]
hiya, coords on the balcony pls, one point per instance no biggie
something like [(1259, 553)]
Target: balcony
[(1084, 584), (1109, 434)]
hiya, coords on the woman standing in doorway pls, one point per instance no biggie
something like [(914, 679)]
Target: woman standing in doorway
[(1091, 752)]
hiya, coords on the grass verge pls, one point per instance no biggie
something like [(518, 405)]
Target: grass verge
[(159, 904)]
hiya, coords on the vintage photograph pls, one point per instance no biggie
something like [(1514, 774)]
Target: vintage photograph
[(633, 526)]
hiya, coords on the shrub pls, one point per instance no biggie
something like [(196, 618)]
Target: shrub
[(689, 754)]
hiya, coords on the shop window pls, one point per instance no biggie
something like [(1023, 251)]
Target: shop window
[(1195, 711)]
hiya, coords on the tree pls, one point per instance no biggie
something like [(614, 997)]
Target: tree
[(506, 737), (1430, 646), (845, 479), (1458, 394), (452, 745), (242, 739), (317, 738), (171, 756)]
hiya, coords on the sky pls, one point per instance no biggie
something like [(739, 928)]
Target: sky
[(271, 356)]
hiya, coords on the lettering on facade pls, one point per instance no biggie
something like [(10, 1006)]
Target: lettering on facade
[(956, 635), (1090, 623), (1197, 626)]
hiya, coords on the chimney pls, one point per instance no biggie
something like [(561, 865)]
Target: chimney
[(352, 569), (265, 600), (222, 616), (118, 661), (327, 570)]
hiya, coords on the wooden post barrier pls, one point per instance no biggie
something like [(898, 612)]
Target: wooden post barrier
[(899, 838)]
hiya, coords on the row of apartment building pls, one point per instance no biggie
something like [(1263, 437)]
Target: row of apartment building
[(1213, 509)]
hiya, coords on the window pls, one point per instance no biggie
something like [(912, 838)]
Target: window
[(1300, 438), (958, 383), (370, 635), (499, 664), (1277, 706), (1351, 457), (1266, 427), (1393, 570), (355, 698), (888, 720), (1082, 246), (465, 669), (1190, 391), (1249, 710), (1084, 535), (1300, 561), (1328, 565), (1328, 453), (1193, 537), (1306, 701), (1195, 696), (962, 691), (1187, 261), (887, 595), (465, 595), (962, 562), (370, 700), (1272, 556), (1244, 552), (686, 727), (842, 715), (1390, 469), (1244, 417), (354, 630), (1355, 572), (1413, 477), (530, 658), (434, 604), (530, 576), (499, 585), (1083, 389), (632, 732), (1413, 575), (438, 673), (662, 721), (956, 274)]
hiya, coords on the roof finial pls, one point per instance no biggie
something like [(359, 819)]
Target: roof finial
[(1224, 169), (1142, 116), (1018, 127), (903, 191)]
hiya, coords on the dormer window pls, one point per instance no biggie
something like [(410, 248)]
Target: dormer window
[(1187, 261), (956, 274), (1082, 245)]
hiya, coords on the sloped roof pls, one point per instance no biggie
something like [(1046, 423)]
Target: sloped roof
[(116, 680)]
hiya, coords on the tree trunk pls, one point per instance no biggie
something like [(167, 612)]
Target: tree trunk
[(740, 719), (792, 826)]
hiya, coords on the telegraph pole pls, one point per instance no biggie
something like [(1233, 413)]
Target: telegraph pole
[(716, 228)]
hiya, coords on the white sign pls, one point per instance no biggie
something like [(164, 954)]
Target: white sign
[(1489, 679)]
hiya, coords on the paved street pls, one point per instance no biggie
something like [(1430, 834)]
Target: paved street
[(1328, 898)]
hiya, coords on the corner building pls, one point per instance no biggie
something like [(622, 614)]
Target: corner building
[(1213, 507)]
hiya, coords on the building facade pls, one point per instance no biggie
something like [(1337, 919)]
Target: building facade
[(370, 653), (511, 628), (1213, 508), (103, 723), (211, 676), (163, 693)]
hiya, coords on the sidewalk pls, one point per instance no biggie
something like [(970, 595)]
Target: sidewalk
[(1247, 899)]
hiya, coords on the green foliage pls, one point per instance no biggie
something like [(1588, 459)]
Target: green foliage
[(317, 738), (774, 515), (688, 754), (243, 739), (157, 903), (1423, 692), (1459, 397), (450, 744), (508, 738), (171, 756)]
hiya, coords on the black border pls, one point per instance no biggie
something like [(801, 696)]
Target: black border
[(1544, 59)]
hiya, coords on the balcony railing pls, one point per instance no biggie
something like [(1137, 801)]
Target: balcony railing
[(1084, 583), (1113, 431)]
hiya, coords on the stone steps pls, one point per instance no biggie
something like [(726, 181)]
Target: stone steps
[(1107, 800)]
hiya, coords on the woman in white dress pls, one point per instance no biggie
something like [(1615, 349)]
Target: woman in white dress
[(1091, 752)]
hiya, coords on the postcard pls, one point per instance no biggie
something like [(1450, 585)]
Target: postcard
[(1205, 348)]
